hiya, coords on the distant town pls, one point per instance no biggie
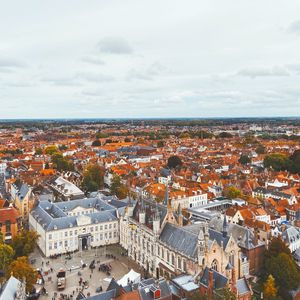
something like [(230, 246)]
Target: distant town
[(170, 209)]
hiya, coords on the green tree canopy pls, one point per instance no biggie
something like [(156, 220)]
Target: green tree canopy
[(93, 178), (61, 163), (24, 242), (244, 159), (117, 188), (6, 256), (295, 162), (280, 264), (277, 161), (96, 143), (260, 149), (174, 162), (232, 192), (51, 150)]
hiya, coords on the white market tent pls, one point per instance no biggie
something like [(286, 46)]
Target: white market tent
[(130, 276)]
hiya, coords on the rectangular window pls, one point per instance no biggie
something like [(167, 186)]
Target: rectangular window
[(101, 228), (115, 225), (115, 234), (110, 226), (55, 245), (110, 235), (50, 236), (96, 228), (101, 236), (105, 227), (50, 246), (92, 229), (66, 233), (71, 233), (75, 232), (66, 243)]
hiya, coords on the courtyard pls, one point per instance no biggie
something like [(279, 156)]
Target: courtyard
[(110, 255)]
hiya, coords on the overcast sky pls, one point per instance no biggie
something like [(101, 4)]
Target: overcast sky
[(69, 58)]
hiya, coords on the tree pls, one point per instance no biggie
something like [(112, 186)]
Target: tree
[(117, 188), (270, 290), (93, 178), (295, 162), (62, 147), (96, 143), (20, 268), (277, 161), (6, 256), (174, 162), (38, 151), (225, 135), (232, 192), (280, 264), (285, 271), (244, 159), (160, 144), (276, 247), (260, 149), (61, 163), (50, 150), (24, 242)]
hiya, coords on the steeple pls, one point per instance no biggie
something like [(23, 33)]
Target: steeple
[(166, 197), (225, 227), (180, 215), (156, 220)]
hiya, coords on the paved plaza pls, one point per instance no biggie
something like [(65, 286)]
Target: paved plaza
[(120, 266)]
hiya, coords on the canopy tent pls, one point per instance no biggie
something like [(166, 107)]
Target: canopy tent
[(130, 276)]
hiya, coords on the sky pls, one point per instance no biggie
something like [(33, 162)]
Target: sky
[(138, 58)]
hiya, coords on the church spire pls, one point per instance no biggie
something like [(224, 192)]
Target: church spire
[(225, 227), (166, 197)]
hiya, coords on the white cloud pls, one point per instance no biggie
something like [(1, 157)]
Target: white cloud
[(158, 58), (114, 45)]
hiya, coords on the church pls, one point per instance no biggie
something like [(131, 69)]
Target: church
[(165, 243)]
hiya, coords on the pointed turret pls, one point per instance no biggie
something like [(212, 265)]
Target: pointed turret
[(142, 213), (166, 197), (180, 215), (225, 227), (156, 220)]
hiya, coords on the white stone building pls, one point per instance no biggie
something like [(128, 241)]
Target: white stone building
[(76, 225)]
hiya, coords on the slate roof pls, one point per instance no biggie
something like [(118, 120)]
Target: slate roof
[(242, 286), (220, 281), (242, 235), (54, 215), (9, 289), (180, 239)]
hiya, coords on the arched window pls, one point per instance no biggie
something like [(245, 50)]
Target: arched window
[(173, 259), (214, 265), (179, 263)]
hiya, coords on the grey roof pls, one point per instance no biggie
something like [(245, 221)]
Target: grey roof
[(180, 239), (55, 215), (185, 282), (291, 234), (220, 281), (242, 286), (242, 235), (9, 289)]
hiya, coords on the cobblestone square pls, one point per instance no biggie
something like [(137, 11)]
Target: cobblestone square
[(120, 266)]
